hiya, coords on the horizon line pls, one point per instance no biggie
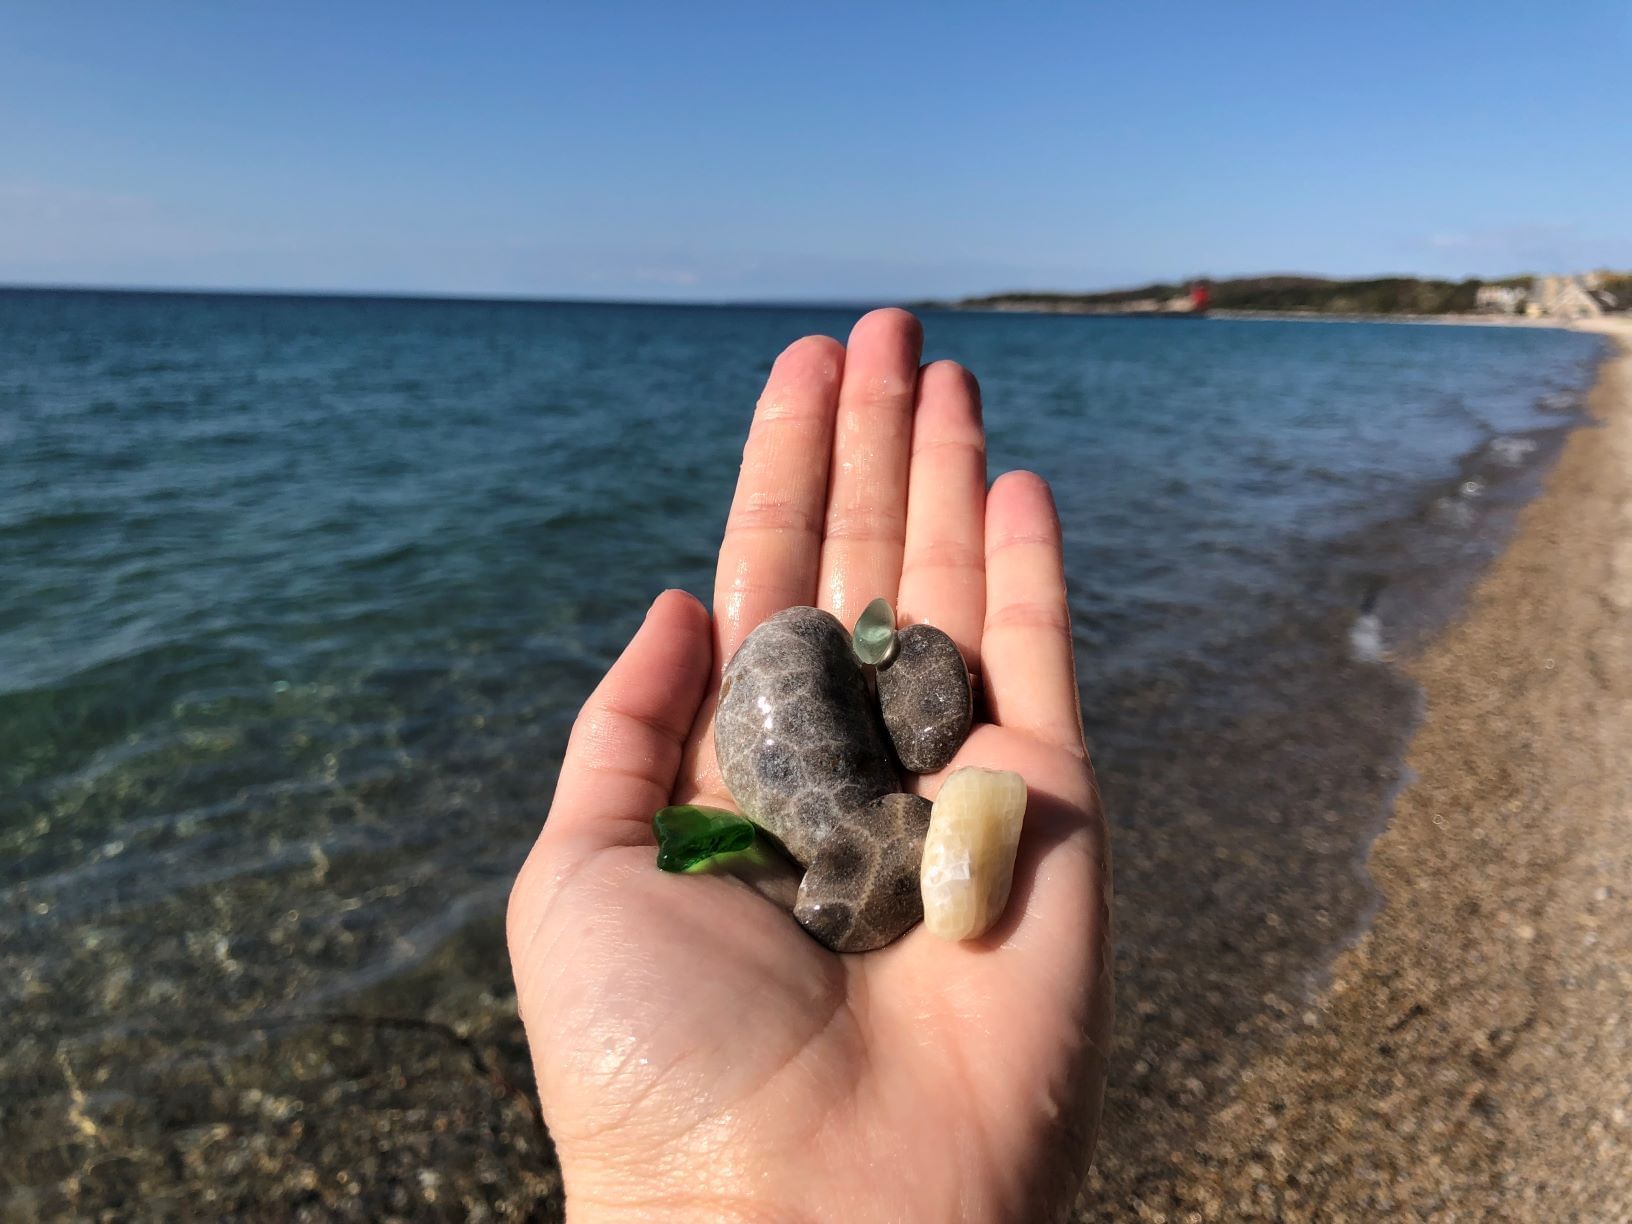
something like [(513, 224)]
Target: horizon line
[(788, 303), (432, 295)]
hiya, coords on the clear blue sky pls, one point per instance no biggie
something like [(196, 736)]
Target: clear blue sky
[(710, 151)]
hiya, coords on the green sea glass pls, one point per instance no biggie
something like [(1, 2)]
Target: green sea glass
[(689, 835), (873, 638)]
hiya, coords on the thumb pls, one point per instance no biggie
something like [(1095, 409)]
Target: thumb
[(624, 751)]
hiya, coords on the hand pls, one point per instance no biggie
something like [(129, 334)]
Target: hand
[(698, 1055)]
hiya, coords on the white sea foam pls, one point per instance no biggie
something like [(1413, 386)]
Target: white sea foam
[(1366, 639), (1510, 452)]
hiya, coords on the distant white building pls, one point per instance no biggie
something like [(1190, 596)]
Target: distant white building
[(1564, 297), (1500, 299)]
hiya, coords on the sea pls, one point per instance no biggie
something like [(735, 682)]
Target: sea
[(299, 597)]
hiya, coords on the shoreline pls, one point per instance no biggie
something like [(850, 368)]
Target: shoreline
[(1305, 316), (1472, 1053), (1432, 320)]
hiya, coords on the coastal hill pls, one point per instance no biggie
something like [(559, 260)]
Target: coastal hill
[(1595, 292)]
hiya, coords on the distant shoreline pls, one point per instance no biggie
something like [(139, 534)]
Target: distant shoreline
[(436, 298), (1273, 316), (1579, 295), (1445, 320)]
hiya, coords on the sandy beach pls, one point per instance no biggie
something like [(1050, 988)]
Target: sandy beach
[(1472, 1056)]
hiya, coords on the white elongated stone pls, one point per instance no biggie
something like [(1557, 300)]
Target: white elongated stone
[(974, 831)]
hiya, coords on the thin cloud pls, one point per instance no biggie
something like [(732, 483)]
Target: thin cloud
[(1528, 246)]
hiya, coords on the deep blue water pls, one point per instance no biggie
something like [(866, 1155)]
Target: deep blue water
[(299, 596)]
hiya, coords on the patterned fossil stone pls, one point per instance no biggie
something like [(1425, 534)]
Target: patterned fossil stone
[(802, 745), (926, 698), (862, 890), (797, 734)]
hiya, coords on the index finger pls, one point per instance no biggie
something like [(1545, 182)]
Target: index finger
[(773, 536)]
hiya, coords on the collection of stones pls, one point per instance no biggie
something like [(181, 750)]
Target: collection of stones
[(813, 728)]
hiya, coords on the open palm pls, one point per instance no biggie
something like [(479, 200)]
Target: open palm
[(696, 1052)]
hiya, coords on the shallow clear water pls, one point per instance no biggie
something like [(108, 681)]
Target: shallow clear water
[(299, 596)]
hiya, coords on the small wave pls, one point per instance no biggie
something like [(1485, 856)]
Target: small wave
[(1511, 452), (124, 882), (411, 947), (1453, 511), (1366, 639), (53, 520)]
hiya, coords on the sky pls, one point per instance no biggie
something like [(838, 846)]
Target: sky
[(857, 152)]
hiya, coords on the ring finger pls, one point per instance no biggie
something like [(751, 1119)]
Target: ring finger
[(867, 490)]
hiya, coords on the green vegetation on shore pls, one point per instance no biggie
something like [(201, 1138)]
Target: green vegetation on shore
[(1311, 294)]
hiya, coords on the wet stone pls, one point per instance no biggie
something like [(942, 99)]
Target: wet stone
[(968, 856), (862, 891), (797, 733), (927, 702), (803, 748)]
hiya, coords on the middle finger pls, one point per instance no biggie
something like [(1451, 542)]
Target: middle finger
[(867, 491)]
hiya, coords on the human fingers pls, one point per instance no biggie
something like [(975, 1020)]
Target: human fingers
[(625, 747), (621, 758), (773, 535), (1026, 647), (867, 489), (943, 566)]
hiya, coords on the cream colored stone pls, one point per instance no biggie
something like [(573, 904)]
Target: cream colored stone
[(974, 831)]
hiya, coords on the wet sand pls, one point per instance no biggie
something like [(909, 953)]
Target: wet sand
[(1472, 1056)]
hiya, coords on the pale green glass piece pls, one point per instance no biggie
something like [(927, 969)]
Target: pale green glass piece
[(873, 639)]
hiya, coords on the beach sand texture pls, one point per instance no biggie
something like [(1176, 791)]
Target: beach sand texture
[(1472, 1057)]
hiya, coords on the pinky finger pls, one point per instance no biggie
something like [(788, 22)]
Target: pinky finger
[(1026, 647)]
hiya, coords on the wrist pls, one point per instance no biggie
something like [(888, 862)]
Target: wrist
[(696, 1188), (624, 1204)]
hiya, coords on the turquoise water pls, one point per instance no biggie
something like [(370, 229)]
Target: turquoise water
[(298, 598)]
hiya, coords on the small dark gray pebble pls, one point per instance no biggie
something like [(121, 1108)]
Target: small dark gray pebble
[(862, 892), (926, 699)]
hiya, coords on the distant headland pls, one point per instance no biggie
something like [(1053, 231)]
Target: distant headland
[(1585, 295)]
